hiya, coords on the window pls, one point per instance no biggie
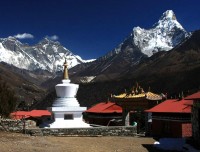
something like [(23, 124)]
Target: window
[(68, 117)]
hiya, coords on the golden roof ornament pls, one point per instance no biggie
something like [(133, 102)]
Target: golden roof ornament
[(138, 92), (65, 74)]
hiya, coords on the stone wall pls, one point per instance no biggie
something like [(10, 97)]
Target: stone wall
[(28, 127), (15, 125), (11, 125), (93, 131)]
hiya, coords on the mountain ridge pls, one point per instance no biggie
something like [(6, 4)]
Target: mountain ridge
[(45, 55), (164, 70), (166, 34)]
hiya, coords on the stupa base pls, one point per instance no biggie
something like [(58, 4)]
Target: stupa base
[(69, 124), (67, 117)]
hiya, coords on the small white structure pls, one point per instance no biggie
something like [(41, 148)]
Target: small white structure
[(66, 111)]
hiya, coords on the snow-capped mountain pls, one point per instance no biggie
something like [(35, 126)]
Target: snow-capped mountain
[(49, 55), (46, 55), (163, 36)]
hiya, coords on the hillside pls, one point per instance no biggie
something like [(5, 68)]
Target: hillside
[(142, 43), (172, 72), (26, 84)]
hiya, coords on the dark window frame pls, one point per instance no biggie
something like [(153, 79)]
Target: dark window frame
[(68, 116)]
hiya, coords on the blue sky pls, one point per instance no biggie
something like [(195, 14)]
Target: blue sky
[(89, 28)]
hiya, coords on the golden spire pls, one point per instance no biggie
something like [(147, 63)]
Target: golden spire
[(65, 74)]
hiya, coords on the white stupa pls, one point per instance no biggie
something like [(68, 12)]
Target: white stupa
[(66, 111)]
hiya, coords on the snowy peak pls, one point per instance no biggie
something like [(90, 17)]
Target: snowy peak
[(165, 34), (46, 55), (169, 14), (10, 40), (46, 41), (168, 21), (142, 43)]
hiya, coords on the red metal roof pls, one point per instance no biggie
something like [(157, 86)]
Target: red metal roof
[(173, 106), (193, 96), (105, 107), (39, 113), (20, 114), (27, 114)]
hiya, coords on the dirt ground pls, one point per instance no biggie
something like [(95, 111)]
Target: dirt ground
[(14, 142)]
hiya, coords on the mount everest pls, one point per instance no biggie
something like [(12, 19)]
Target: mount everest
[(46, 55)]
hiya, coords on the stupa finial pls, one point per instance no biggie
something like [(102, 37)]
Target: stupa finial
[(65, 74)]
